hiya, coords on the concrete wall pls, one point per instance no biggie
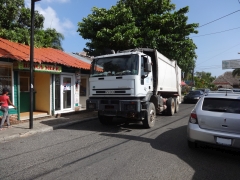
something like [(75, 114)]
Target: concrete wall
[(83, 101), (42, 88)]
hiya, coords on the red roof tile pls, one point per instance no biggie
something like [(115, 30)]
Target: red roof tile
[(21, 52)]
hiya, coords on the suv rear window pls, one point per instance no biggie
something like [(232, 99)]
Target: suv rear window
[(195, 92), (221, 105)]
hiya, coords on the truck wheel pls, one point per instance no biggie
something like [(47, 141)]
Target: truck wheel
[(106, 120), (176, 105), (170, 106), (150, 116)]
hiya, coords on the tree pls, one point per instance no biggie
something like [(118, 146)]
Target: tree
[(15, 25), (140, 23), (49, 38), (204, 80), (236, 72)]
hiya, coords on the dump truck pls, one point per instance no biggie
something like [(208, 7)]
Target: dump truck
[(135, 84)]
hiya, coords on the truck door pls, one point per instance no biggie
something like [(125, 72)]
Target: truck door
[(146, 77), (143, 61)]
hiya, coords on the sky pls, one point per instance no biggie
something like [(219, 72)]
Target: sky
[(213, 16)]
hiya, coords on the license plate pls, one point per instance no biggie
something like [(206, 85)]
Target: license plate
[(224, 141)]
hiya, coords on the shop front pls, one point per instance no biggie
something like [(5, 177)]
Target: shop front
[(7, 81), (82, 78), (64, 93), (56, 79), (53, 89)]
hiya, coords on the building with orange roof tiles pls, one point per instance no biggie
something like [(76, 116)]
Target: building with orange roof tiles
[(60, 79)]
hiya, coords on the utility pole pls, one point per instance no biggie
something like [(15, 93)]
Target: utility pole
[(193, 78), (31, 63)]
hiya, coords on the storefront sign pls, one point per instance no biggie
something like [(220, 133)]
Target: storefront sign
[(37, 67)]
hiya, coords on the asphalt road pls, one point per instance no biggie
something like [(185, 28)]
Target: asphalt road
[(91, 151)]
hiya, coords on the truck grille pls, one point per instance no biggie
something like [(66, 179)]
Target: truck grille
[(109, 92), (109, 101), (113, 91)]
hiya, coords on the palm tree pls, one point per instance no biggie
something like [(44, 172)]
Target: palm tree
[(52, 39), (236, 72)]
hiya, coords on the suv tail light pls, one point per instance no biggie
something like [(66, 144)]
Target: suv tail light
[(193, 118)]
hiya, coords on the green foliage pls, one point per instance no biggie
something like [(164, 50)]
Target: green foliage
[(15, 25), (236, 72), (204, 80), (140, 23), (48, 38)]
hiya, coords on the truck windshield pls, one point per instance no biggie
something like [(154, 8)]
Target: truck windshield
[(115, 66)]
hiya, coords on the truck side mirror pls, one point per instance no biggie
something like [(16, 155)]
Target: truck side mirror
[(147, 67)]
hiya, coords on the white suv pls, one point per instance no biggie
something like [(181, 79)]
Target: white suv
[(216, 120)]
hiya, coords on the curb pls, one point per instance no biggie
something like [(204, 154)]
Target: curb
[(42, 130)]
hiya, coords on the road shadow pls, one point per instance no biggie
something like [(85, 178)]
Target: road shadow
[(93, 124), (74, 118), (208, 162)]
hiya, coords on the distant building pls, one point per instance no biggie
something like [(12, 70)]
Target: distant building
[(84, 54), (227, 81)]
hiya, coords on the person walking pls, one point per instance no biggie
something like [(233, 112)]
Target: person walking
[(5, 102)]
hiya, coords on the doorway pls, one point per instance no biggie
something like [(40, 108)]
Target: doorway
[(24, 80), (63, 92), (67, 92)]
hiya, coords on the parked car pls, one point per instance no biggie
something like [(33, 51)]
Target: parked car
[(193, 96), (225, 90), (205, 90), (215, 119), (236, 90)]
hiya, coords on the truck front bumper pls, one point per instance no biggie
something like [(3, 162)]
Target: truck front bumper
[(113, 107)]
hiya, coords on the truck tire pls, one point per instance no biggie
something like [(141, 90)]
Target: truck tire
[(176, 105), (105, 120), (170, 106), (150, 116)]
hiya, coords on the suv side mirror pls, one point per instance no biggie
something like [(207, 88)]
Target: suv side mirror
[(147, 67)]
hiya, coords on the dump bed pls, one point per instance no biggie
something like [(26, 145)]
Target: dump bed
[(166, 73)]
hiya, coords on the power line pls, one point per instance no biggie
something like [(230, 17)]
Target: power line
[(207, 68), (219, 18), (217, 32), (209, 65), (202, 67), (219, 54)]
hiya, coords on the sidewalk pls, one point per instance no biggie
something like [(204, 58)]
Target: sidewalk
[(44, 124)]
